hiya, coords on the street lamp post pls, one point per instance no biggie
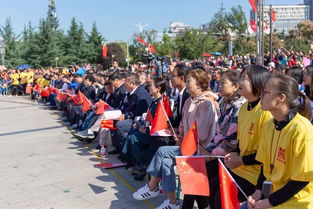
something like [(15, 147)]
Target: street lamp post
[(2, 50)]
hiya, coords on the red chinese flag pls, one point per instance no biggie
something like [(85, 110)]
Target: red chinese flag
[(193, 175), (152, 49), (149, 117), (104, 51), (228, 189), (85, 104), (108, 124), (167, 106), (101, 107), (52, 90), (253, 25), (141, 40), (45, 93), (190, 142), (160, 120), (273, 16), (80, 97), (253, 5), (61, 96)]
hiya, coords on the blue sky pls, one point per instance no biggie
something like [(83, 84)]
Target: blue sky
[(116, 19)]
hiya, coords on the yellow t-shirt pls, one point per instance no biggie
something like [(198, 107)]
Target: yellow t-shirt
[(46, 83), (23, 77), (249, 134), (15, 77), (41, 81), (30, 77), (293, 158)]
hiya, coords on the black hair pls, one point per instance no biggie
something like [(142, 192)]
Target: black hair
[(116, 75), (308, 88), (297, 101), (295, 72), (161, 84), (182, 70), (90, 78), (134, 78), (258, 76)]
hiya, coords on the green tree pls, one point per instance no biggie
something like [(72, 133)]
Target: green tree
[(194, 43), (95, 41), (219, 25), (9, 37), (47, 45)]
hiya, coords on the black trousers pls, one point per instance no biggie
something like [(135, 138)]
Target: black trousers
[(202, 201)]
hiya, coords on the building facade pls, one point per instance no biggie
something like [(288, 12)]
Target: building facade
[(287, 16), (178, 28)]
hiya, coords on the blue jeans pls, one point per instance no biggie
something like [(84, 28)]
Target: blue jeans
[(162, 166)]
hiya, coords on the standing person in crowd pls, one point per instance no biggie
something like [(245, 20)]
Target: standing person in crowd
[(308, 84), (14, 76), (199, 108), (214, 83), (251, 118), (285, 150), (225, 139)]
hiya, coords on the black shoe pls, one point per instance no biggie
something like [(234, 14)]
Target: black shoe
[(140, 177), (122, 156), (114, 152), (129, 164)]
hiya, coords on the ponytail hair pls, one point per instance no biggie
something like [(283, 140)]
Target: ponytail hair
[(304, 107), (297, 101)]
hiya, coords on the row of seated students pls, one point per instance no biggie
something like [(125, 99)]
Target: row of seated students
[(255, 115)]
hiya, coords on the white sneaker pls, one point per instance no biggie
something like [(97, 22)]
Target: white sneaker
[(144, 193), (167, 205)]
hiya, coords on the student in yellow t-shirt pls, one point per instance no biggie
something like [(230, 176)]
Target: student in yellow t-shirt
[(23, 80), (244, 168), (15, 82), (30, 76), (285, 150)]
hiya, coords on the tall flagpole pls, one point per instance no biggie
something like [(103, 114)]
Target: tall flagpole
[(260, 32), (271, 33)]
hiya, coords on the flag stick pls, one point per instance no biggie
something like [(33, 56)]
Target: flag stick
[(244, 194)]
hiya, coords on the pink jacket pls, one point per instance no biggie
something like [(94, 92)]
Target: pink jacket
[(202, 110)]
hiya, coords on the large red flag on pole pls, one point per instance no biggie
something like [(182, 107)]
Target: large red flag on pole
[(228, 189), (273, 15), (253, 5), (190, 142), (152, 49), (140, 40), (104, 51), (193, 175)]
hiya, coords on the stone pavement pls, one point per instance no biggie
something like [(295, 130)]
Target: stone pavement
[(43, 166)]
